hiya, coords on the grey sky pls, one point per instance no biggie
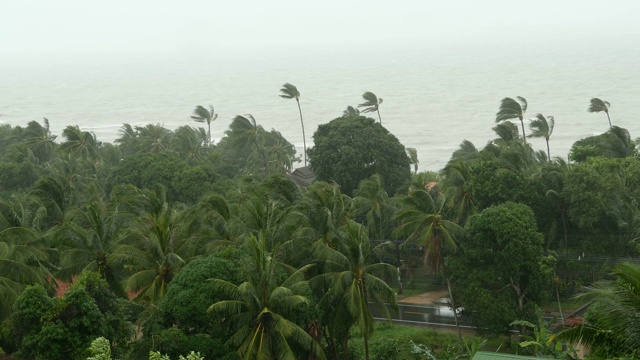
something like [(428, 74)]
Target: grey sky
[(45, 27)]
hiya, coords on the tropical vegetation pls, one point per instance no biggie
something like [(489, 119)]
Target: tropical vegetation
[(165, 243)]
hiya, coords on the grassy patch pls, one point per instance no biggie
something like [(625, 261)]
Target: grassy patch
[(444, 345)]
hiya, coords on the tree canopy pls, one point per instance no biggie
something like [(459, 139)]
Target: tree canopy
[(350, 149)]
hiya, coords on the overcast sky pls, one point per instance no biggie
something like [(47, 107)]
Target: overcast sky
[(81, 27)]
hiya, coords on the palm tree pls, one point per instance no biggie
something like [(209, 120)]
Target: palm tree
[(159, 241), (260, 308), (598, 105), (327, 209), (78, 142), (371, 201), (422, 222), (291, 92), (280, 152), (88, 240), (457, 173), (349, 283), (128, 140), (613, 320), (513, 109), (189, 143), (201, 114), (153, 138), (371, 103), (21, 263), (246, 134), (542, 126), (413, 157), (351, 111), (40, 140)]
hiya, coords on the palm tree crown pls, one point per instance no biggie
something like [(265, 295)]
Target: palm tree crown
[(291, 92), (598, 105), (542, 126), (261, 308), (513, 109), (201, 114), (371, 103), (613, 314), (351, 111)]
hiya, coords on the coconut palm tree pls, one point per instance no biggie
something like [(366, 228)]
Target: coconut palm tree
[(350, 283), (189, 143), (371, 103), (153, 138), (280, 152), (78, 142), (260, 308), (128, 140), (613, 322), (201, 114), (40, 140), (457, 173), (413, 157), (598, 105), (513, 109), (327, 209), (542, 126), (291, 92), (22, 255), (88, 240), (372, 202), (160, 240), (245, 134), (351, 111), (422, 222)]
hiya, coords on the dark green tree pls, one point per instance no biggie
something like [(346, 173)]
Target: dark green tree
[(25, 320), (499, 272), (69, 324), (348, 150)]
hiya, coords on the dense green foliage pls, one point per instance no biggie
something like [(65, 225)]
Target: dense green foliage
[(505, 251), (350, 149), (152, 219), (63, 328)]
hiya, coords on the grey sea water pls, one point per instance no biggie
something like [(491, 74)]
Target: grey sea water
[(434, 97)]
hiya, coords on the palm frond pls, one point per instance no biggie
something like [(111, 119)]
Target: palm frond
[(511, 109), (289, 91), (598, 105)]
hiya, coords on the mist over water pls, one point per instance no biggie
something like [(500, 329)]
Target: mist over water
[(434, 97)]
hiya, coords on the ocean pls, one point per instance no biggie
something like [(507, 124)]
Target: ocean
[(434, 96)]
